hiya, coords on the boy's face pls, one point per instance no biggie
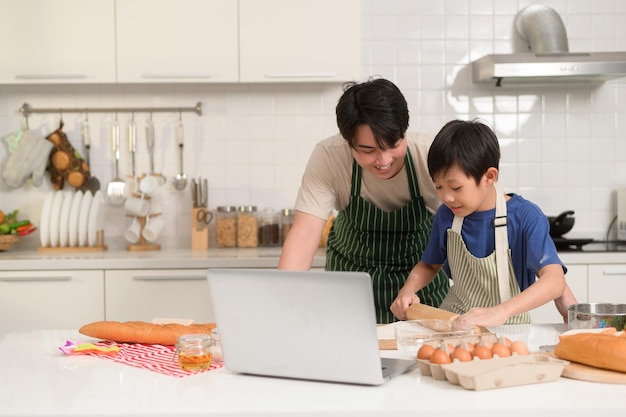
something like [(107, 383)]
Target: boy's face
[(462, 195), (383, 163)]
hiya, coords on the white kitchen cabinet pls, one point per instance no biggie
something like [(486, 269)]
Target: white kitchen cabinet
[(46, 300), (160, 293), (177, 41), (607, 283), (299, 40), (577, 280), (61, 41)]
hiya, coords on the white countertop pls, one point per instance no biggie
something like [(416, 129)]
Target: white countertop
[(28, 260), (171, 258), (36, 379)]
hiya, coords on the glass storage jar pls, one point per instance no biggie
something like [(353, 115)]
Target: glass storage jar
[(193, 352), (286, 221), (226, 227), (247, 227), (269, 227)]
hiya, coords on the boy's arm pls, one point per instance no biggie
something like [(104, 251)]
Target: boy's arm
[(564, 301), (421, 275)]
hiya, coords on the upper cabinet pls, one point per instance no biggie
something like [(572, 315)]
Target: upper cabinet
[(299, 40), (61, 41), (177, 41)]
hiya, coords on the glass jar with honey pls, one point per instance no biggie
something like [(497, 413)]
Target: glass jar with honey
[(193, 352)]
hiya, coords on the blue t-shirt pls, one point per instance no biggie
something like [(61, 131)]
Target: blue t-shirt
[(528, 229)]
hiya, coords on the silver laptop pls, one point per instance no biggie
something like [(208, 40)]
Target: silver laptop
[(312, 325)]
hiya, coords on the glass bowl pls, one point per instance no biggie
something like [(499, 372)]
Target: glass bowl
[(411, 334)]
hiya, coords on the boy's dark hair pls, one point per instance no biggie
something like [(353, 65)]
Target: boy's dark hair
[(470, 145), (377, 103)]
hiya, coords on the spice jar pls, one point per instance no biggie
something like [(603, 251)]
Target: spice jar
[(226, 227), (247, 227), (269, 228), (194, 352), (286, 222)]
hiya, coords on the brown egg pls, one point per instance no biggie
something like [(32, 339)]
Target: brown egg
[(425, 352), (482, 352), (505, 341), (519, 347), (501, 350), (469, 346), (461, 354), (440, 357)]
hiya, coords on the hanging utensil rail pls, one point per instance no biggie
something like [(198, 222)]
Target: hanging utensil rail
[(27, 110)]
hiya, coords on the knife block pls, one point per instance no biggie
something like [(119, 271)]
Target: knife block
[(199, 231)]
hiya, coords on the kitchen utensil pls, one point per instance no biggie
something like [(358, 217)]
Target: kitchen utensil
[(561, 224), (422, 311), (91, 183), (154, 227), (596, 315), (584, 372), (150, 142), (117, 187), (203, 217), (411, 334), (132, 145), (180, 180)]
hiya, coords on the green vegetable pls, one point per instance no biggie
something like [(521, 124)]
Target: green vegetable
[(5, 229), (15, 225)]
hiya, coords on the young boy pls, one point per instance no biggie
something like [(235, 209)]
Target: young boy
[(493, 245)]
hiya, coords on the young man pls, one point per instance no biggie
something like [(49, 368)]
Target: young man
[(374, 174), (493, 245)]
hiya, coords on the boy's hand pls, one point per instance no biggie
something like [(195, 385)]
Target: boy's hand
[(401, 304)]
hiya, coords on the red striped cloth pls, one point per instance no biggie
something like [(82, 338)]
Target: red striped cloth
[(157, 358)]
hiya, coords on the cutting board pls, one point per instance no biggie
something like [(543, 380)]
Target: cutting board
[(588, 373)]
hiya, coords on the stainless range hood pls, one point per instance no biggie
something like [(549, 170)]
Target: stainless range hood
[(549, 61)]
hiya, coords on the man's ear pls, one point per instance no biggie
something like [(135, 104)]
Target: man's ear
[(491, 175)]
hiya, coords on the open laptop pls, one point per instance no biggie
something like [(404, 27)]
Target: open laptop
[(313, 325)]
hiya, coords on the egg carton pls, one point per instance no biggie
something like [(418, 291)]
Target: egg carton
[(481, 374)]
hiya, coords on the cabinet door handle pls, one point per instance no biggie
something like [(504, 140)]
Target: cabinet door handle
[(50, 76), (174, 76), (614, 271), (169, 278), (300, 75), (35, 279)]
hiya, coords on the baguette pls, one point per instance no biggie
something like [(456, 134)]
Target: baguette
[(142, 332), (600, 350)]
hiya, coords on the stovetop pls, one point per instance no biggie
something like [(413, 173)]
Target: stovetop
[(588, 245)]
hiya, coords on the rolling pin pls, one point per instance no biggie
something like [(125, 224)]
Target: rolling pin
[(422, 312)]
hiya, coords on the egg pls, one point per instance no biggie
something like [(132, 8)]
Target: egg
[(469, 346), (440, 357), (425, 352), (501, 350), (505, 341), (461, 354), (482, 352), (519, 347)]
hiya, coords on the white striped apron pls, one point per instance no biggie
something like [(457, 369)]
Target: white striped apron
[(482, 282)]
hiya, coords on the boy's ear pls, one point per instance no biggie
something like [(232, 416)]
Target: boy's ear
[(491, 175)]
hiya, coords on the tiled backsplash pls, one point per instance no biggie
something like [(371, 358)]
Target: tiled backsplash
[(563, 147)]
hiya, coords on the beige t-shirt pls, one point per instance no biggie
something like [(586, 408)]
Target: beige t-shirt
[(328, 175)]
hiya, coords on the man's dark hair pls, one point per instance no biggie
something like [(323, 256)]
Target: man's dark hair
[(377, 103), (470, 145)]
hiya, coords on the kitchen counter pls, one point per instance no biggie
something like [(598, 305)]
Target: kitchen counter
[(170, 259), (38, 380), (211, 258)]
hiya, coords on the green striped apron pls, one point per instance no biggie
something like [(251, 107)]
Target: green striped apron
[(387, 245), (476, 280)]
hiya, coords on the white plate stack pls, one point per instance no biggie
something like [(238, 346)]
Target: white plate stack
[(72, 219)]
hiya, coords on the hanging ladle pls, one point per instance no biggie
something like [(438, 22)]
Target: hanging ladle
[(180, 180), (150, 140)]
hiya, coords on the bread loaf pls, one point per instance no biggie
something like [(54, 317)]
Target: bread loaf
[(142, 332), (606, 350)]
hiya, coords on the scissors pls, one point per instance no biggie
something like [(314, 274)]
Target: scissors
[(203, 217)]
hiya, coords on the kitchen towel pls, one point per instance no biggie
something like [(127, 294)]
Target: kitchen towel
[(157, 358)]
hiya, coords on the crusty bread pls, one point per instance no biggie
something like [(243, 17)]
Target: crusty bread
[(600, 350), (142, 332)]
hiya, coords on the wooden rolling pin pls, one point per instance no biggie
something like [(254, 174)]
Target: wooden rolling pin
[(422, 312)]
